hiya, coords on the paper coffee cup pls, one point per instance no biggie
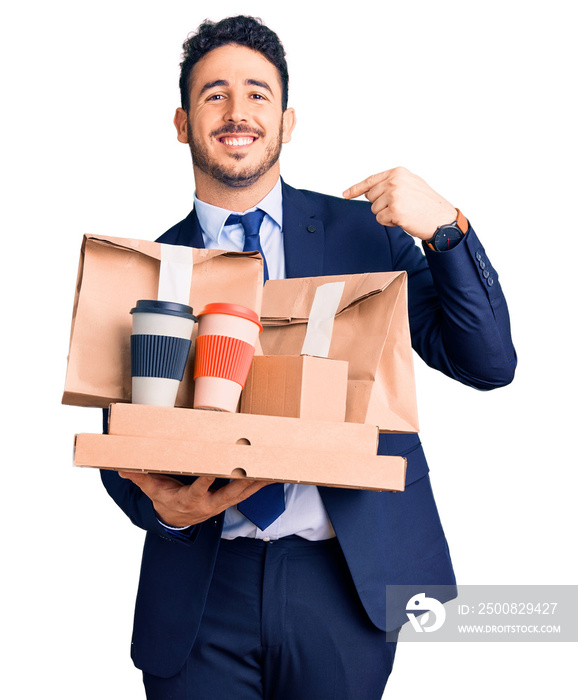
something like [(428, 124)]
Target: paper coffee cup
[(159, 348), (224, 351)]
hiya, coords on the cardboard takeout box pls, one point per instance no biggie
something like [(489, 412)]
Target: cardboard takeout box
[(235, 445), (296, 387)]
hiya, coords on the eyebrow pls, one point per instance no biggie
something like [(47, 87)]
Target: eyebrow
[(225, 83)]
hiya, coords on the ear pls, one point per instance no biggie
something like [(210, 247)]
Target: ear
[(181, 124), (289, 121)]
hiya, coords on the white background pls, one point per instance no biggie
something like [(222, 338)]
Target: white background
[(478, 99)]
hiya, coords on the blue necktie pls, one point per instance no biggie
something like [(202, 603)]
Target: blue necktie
[(251, 224), (265, 506)]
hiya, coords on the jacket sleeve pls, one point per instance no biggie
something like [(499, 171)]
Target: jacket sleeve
[(137, 505), (458, 315)]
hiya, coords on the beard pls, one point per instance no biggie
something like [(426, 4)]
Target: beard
[(232, 176)]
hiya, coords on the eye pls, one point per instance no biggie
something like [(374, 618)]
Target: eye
[(258, 96), (215, 98)]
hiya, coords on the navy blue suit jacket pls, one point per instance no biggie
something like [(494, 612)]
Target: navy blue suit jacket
[(459, 325)]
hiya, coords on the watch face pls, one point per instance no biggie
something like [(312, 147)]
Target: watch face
[(447, 236)]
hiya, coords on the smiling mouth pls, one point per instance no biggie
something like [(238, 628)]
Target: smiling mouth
[(237, 141)]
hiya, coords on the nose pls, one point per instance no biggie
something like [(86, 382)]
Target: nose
[(236, 109)]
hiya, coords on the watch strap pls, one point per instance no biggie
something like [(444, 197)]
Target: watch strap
[(462, 222)]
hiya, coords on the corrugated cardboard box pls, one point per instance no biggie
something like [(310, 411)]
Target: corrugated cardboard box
[(313, 388), (233, 445)]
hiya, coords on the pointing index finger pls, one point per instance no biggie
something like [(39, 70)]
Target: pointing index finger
[(364, 186)]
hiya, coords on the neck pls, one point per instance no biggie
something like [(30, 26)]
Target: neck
[(234, 198)]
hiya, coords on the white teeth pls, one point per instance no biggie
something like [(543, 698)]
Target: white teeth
[(243, 141)]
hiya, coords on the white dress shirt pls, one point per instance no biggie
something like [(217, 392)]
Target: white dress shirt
[(304, 514)]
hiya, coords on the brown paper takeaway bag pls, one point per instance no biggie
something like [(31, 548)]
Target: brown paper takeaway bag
[(116, 272), (370, 331)]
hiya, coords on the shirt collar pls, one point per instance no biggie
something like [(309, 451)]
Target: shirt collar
[(212, 218)]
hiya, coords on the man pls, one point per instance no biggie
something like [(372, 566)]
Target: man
[(294, 607)]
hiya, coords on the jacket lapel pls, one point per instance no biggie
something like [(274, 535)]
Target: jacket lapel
[(303, 235), (192, 232), (186, 232)]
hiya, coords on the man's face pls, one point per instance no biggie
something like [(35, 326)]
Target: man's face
[(235, 125)]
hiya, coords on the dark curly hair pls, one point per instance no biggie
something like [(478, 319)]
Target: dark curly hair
[(242, 30)]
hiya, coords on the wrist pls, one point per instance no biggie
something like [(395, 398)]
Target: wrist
[(448, 236), (171, 526)]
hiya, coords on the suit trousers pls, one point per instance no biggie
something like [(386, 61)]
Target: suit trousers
[(282, 621)]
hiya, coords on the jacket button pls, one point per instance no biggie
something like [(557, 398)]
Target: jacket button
[(311, 228)]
